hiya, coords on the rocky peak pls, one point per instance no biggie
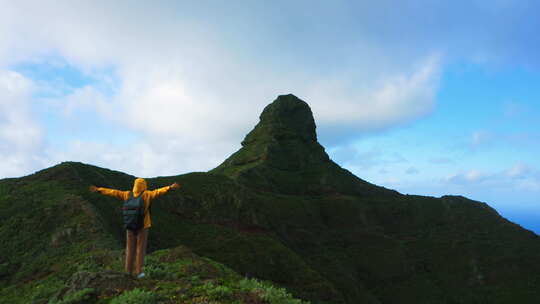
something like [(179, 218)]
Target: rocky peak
[(284, 139), (288, 117), (281, 154)]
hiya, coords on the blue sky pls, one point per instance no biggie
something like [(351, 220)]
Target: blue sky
[(425, 97)]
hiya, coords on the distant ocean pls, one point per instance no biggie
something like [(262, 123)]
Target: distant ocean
[(528, 218)]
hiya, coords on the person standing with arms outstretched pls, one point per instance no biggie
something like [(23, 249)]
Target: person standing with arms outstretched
[(136, 240)]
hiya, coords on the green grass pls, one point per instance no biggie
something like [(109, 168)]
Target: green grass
[(174, 275), (324, 243)]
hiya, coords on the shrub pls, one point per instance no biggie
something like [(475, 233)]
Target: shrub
[(216, 291), (82, 296), (268, 292), (135, 296), (160, 271)]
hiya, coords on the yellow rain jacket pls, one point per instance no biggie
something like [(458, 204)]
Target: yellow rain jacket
[(139, 186)]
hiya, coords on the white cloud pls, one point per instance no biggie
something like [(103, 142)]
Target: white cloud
[(194, 77), (519, 178), (519, 170), (20, 135), (481, 137), (516, 110), (145, 158), (532, 185), (18, 129), (163, 103), (86, 98), (495, 187), (470, 176), (412, 170), (523, 138), (179, 81), (352, 157), (441, 160), (391, 100)]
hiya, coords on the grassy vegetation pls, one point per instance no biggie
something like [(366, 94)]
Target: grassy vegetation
[(175, 275), (277, 222), (332, 248)]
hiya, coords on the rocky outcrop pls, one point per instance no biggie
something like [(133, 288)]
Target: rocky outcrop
[(282, 154)]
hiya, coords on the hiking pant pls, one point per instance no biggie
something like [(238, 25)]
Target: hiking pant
[(135, 249)]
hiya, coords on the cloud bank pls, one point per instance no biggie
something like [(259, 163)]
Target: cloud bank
[(20, 136), (190, 79)]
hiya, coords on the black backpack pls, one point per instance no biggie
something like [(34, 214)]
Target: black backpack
[(133, 212)]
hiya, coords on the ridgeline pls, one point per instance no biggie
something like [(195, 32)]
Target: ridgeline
[(276, 222)]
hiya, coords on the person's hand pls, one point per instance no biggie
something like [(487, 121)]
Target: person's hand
[(92, 188), (174, 186)]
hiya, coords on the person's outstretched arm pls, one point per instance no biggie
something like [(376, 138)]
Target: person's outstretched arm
[(123, 195), (160, 191)]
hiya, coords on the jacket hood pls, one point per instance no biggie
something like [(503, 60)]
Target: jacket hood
[(139, 186)]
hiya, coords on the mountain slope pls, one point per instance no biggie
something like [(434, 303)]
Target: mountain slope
[(63, 244), (279, 209)]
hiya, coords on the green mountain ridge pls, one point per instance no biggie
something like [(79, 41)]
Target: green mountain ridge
[(278, 210)]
